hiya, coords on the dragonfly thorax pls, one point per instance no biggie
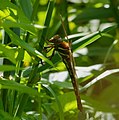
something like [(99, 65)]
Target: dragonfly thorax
[(59, 43)]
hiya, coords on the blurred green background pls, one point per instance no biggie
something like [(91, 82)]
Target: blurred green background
[(32, 87)]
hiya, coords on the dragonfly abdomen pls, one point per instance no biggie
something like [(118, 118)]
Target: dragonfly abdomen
[(65, 52)]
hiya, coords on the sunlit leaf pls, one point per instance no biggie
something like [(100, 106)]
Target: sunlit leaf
[(16, 40), (68, 102), (9, 84), (7, 68), (8, 52)]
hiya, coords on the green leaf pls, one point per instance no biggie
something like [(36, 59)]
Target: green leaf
[(9, 84), (88, 39), (12, 8), (6, 116), (7, 68), (63, 84), (109, 28), (17, 41), (84, 41), (42, 38), (25, 26), (88, 14), (101, 76), (99, 105), (68, 102), (58, 102), (110, 91), (27, 10), (6, 3), (8, 52)]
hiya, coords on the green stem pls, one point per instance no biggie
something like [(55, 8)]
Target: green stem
[(34, 71), (42, 38), (24, 98)]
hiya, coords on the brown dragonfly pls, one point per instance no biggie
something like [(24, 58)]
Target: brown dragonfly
[(64, 50)]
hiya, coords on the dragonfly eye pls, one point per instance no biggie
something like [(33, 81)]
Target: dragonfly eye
[(56, 39)]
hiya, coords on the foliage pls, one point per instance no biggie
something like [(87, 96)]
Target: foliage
[(34, 87)]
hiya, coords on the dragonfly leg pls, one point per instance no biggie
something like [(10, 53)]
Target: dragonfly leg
[(46, 48), (51, 47), (52, 54)]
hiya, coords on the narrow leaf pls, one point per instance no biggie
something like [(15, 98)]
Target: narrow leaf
[(103, 75), (8, 52), (17, 41), (7, 68), (9, 84)]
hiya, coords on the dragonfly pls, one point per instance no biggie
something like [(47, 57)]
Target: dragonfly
[(65, 52)]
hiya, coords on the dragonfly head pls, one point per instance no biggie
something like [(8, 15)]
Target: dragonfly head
[(55, 39)]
